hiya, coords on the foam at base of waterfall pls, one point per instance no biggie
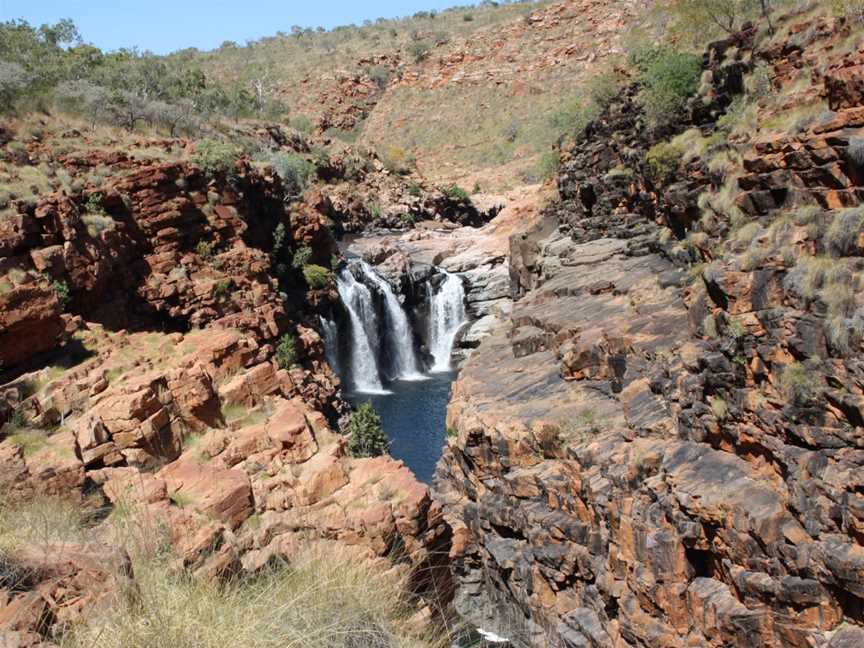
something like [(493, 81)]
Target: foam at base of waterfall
[(372, 392)]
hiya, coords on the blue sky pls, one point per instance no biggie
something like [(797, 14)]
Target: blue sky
[(166, 25)]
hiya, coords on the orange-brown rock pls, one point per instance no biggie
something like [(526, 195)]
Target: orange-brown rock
[(56, 587), (30, 320)]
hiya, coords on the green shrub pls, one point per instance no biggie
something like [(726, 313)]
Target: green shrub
[(286, 351), (419, 50), (668, 78), (549, 164), (663, 161), (380, 74), (316, 276), (301, 257), (367, 438), (61, 288), (94, 204), (801, 383), (215, 158), (279, 236), (204, 249), (455, 192), (293, 170)]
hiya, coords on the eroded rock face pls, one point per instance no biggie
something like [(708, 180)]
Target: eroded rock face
[(30, 322), (624, 476), (163, 397)]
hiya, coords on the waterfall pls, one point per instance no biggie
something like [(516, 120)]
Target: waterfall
[(446, 317), (331, 342), (357, 299), (400, 339)]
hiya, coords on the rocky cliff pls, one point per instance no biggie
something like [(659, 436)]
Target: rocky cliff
[(661, 445), (159, 357)]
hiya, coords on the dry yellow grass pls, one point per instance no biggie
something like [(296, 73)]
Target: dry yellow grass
[(326, 598)]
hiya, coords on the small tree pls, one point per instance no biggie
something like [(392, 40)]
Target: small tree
[(13, 79), (286, 351), (367, 436), (698, 16)]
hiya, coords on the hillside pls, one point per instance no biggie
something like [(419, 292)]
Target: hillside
[(403, 86)]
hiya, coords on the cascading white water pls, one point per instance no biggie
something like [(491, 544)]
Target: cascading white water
[(446, 317), (331, 342), (401, 338), (361, 310)]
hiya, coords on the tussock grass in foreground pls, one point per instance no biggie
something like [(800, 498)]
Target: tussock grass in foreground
[(326, 598), (42, 520), (323, 600)]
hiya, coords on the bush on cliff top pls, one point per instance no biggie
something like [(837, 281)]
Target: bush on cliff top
[(215, 157), (367, 436), (668, 79), (316, 276)]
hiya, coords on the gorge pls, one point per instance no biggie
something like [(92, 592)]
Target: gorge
[(522, 324)]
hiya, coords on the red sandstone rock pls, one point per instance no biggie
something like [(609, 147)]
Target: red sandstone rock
[(30, 321), (60, 586)]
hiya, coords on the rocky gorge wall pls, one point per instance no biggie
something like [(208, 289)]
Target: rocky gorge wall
[(661, 445), (140, 326)]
